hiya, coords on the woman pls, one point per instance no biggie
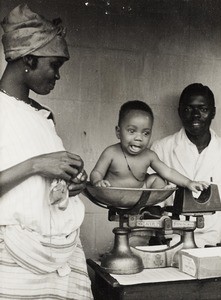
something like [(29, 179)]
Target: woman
[(40, 251)]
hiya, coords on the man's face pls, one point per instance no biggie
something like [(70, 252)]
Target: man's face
[(196, 114)]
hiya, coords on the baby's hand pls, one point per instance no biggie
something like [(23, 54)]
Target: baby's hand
[(196, 186), (103, 183)]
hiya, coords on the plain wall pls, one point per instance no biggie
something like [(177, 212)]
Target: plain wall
[(119, 57)]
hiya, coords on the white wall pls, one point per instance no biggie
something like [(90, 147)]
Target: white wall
[(120, 58)]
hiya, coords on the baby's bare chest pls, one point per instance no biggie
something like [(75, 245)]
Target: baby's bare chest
[(120, 165)]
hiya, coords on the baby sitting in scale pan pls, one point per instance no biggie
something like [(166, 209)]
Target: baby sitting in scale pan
[(125, 164)]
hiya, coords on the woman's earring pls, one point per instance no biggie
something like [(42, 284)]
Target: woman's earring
[(26, 71)]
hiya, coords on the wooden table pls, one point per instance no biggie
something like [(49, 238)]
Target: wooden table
[(107, 287)]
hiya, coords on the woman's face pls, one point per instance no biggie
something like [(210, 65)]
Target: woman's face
[(42, 79)]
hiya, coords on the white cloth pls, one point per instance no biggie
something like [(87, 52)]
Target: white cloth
[(24, 133), (178, 152), (40, 250)]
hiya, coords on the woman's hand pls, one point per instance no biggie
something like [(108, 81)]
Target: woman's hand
[(76, 188), (59, 165), (77, 184), (80, 178)]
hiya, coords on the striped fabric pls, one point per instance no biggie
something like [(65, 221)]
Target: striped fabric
[(17, 282), (38, 254)]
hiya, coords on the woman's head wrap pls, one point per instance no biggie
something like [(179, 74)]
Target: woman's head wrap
[(26, 32)]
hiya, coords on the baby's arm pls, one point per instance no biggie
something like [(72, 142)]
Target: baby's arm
[(173, 176), (101, 168)]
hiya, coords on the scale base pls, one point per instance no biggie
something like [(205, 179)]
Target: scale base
[(158, 258), (122, 265), (121, 260)]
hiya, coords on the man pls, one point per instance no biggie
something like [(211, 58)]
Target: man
[(195, 151)]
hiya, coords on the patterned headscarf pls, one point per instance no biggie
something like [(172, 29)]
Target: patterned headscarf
[(26, 32)]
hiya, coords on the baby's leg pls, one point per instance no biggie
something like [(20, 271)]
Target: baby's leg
[(154, 181)]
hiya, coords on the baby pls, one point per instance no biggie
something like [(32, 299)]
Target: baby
[(125, 164)]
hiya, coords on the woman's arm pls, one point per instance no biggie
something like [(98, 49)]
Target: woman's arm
[(60, 165)]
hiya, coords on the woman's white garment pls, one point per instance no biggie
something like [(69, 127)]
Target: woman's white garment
[(178, 152), (41, 256), (26, 214), (24, 133)]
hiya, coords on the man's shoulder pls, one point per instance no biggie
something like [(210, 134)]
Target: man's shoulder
[(215, 135), (165, 141)]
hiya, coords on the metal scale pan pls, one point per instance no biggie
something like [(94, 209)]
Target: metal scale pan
[(120, 197)]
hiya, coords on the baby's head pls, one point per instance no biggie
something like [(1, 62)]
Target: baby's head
[(134, 105), (134, 126)]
